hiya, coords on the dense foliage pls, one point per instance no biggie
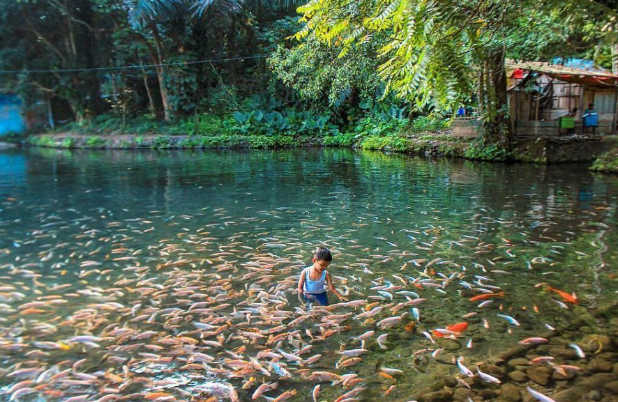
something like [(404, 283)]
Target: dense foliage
[(375, 66)]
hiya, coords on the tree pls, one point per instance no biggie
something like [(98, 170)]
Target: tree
[(436, 49), (54, 35)]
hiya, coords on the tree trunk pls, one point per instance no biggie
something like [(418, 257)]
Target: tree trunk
[(89, 48), (167, 113), (496, 124)]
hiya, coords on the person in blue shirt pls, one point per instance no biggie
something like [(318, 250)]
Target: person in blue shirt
[(315, 278), (590, 109)]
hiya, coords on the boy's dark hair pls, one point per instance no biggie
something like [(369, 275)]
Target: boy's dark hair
[(323, 254)]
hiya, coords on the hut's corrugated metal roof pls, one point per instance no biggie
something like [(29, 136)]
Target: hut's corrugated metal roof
[(596, 77)]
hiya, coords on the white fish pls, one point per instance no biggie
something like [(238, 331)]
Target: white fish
[(463, 369), (539, 396), (510, 319), (488, 378), (578, 350), (385, 294), (428, 336), (381, 339), (417, 314)]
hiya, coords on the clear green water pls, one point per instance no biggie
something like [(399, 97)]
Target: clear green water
[(162, 230)]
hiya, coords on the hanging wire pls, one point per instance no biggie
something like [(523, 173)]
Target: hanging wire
[(128, 67)]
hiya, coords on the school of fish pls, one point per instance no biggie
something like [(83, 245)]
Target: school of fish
[(91, 314)]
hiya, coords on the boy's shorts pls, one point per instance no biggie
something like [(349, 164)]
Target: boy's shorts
[(321, 298)]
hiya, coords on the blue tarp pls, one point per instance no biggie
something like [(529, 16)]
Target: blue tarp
[(11, 120)]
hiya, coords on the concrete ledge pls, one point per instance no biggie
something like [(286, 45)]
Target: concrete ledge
[(466, 128)]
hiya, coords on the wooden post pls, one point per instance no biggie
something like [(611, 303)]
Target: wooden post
[(536, 112), (581, 105), (613, 130)]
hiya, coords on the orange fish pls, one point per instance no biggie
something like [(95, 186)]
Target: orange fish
[(387, 376), (459, 327), (486, 296), (571, 298), (410, 326), (156, 395)]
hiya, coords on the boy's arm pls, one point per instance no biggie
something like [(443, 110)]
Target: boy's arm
[(301, 283), (331, 287)]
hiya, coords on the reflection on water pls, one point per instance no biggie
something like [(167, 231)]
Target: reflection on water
[(113, 257)]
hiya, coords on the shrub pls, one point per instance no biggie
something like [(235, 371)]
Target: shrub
[(493, 152)]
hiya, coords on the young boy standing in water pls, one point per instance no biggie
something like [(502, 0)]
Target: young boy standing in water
[(314, 279)]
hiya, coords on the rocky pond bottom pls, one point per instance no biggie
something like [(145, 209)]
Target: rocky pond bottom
[(167, 276)]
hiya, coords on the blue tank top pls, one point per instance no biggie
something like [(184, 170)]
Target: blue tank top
[(314, 287)]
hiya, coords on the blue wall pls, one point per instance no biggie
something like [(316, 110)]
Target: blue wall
[(10, 115)]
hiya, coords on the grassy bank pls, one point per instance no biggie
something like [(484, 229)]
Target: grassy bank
[(422, 136), (289, 129), (444, 145), (607, 162)]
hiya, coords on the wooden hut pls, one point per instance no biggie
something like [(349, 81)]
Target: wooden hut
[(550, 100)]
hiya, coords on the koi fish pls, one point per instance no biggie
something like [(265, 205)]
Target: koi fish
[(285, 396), (264, 388), (486, 296), (571, 298), (459, 327), (315, 393)]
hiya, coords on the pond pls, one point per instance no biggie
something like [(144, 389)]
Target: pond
[(171, 275)]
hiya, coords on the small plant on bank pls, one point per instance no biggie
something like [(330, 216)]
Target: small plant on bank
[(493, 152)]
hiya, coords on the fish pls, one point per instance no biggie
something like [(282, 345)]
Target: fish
[(487, 378), (486, 296), (381, 339), (285, 396), (352, 352), (386, 294), (391, 371), (571, 298), (459, 327), (537, 395), (264, 388), (348, 362), (417, 314), (578, 350), (366, 335), (315, 393), (510, 319), (533, 341), (463, 369)]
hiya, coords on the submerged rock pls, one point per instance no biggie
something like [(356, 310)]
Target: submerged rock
[(518, 376), (462, 394), (438, 396), (540, 375), (598, 365), (593, 343), (612, 387), (509, 393), (518, 363)]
